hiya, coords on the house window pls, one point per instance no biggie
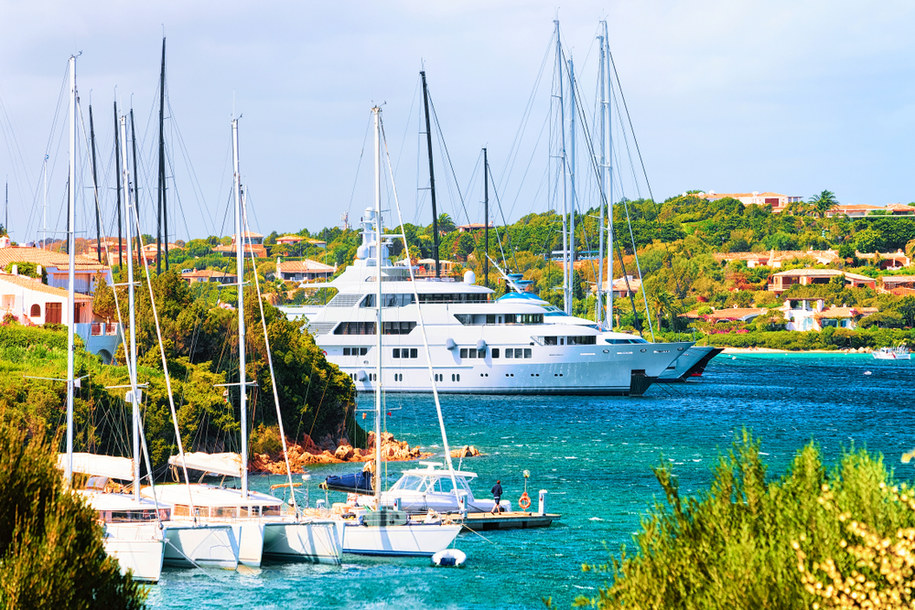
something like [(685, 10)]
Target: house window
[(36, 311)]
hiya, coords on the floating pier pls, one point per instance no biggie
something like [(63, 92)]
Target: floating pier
[(506, 520)]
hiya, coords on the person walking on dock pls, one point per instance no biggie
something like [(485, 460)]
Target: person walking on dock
[(496, 497)]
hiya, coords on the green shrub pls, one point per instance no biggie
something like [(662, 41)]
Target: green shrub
[(754, 542)]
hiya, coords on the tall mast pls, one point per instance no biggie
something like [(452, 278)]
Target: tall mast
[(573, 199), (240, 271), (71, 273), (608, 170), (376, 111), (566, 302), (98, 222), (162, 225), (130, 209), (44, 212), (598, 304), (136, 182), (431, 176), (117, 171), (485, 218)]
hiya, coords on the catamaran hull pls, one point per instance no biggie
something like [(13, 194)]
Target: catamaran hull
[(208, 546), (415, 540), (309, 541), (138, 550)]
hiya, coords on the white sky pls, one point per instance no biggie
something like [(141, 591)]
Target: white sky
[(788, 96)]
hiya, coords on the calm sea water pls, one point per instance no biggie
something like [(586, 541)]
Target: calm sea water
[(594, 455)]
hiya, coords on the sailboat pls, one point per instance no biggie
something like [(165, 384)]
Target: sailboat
[(380, 530), (263, 525), (132, 535)]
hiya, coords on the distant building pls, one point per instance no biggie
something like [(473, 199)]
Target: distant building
[(864, 210), (622, 286), (812, 314), (728, 314), (56, 267), (782, 281), (303, 271), (194, 276), (776, 201), (253, 243), (473, 226)]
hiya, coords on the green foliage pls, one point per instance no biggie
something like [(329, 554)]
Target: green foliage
[(735, 545), (51, 550)]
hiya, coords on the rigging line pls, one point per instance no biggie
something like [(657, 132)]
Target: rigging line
[(515, 148), (177, 137), (276, 396), (352, 195), (447, 155), (168, 380), (508, 233), (420, 318)]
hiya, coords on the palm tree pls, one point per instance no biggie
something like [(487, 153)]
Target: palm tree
[(823, 202)]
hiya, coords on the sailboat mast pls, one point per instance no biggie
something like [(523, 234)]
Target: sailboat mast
[(98, 222), (598, 302), (117, 171), (136, 183), (573, 197), (132, 356), (376, 111), (162, 225), (240, 271), (566, 302), (608, 171), (71, 273), (485, 218), (431, 177)]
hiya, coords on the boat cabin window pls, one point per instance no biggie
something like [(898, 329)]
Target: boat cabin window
[(518, 352), (129, 516), (625, 341), (409, 482), (492, 319), (443, 486), (472, 352), (224, 512), (388, 300), (396, 328), (355, 328), (575, 340), (271, 511), (495, 352), (355, 351), (460, 297), (406, 352)]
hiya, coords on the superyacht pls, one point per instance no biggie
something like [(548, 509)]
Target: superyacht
[(477, 345)]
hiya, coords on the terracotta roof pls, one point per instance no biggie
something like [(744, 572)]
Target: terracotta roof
[(897, 279), (206, 273), (36, 285), (304, 266), (47, 258), (810, 273), (729, 313), (289, 239)]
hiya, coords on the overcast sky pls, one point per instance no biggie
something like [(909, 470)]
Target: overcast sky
[(785, 96)]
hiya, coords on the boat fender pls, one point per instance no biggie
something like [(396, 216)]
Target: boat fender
[(524, 501), (481, 345), (450, 344)]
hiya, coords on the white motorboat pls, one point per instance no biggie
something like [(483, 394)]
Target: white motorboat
[(420, 490), (892, 353)]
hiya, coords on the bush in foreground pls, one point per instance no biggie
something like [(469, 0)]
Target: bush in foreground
[(814, 537), (51, 550)]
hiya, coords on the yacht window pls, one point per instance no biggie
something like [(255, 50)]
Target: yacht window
[(585, 340), (527, 352), (408, 482), (443, 486), (355, 351), (271, 511), (495, 352), (395, 328), (550, 341), (356, 328), (464, 318)]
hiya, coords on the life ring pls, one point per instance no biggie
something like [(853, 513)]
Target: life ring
[(324, 352), (524, 501)]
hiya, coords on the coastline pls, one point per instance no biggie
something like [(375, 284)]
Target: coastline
[(769, 350)]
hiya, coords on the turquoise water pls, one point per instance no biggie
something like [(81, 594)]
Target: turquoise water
[(594, 455)]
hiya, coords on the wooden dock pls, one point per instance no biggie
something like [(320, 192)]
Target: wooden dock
[(508, 520)]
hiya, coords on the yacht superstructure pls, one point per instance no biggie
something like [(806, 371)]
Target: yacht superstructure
[(477, 346)]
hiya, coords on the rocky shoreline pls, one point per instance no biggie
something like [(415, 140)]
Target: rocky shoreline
[(330, 451)]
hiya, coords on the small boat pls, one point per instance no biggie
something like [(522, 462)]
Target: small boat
[(892, 353), (449, 558)]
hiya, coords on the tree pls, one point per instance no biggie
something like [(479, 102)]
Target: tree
[(51, 550), (823, 202), (445, 224)]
